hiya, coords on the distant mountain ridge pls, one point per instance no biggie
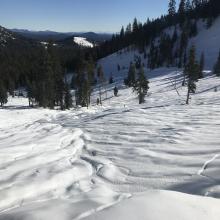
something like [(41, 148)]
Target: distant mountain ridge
[(58, 36)]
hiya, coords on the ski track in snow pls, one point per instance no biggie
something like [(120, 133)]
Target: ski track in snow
[(103, 155)]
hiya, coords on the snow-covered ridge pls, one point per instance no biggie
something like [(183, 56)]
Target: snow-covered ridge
[(81, 41)]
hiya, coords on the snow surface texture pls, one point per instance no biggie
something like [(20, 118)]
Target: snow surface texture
[(82, 42), (112, 162)]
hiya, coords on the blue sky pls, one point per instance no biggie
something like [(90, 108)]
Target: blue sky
[(77, 15)]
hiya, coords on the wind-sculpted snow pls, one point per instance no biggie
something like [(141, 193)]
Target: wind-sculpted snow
[(75, 164)]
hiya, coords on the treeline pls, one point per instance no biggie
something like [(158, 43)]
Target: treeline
[(40, 70)]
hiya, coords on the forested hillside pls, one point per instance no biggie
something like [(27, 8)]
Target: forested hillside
[(165, 41)]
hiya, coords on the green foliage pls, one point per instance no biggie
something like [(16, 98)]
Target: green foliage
[(3, 94), (115, 91), (131, 79), (68, 102), (192, 70), (141, 85), (201, 65), (172, 7), (217, 67)]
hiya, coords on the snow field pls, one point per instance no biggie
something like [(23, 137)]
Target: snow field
[(79, 162)]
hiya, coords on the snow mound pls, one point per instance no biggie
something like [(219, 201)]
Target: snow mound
[(81, 41)]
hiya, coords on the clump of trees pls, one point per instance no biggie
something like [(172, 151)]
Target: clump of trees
[(138, 81), (185, 15), (131, 78)]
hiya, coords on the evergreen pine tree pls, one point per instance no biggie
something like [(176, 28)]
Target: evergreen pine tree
[(68, 103), (175, 36), (183, 45), (172, 8), (111, 80), (141, 85), (131, 79), (217, 66), (101, 79), (192, 73), (3, 94), (135, 25), (193, 29), (115, 91), (201, 65), (181, 12), (209, 22), (188, 6), (122, 33), (30, 93)]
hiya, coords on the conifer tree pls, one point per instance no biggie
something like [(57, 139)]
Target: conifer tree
[(3, 94), (209, 22), (196, 3), (128, 29), (217, 66), (115, 91), (49, 84), (135, 25), (175, 36), (101, 79), (193, 29), (172, 8), (30, 93), (68, 103), (188, 6), (183, 45), (192, 73), (181, 12), (131, 79), (141, 85), (122, 33), (201, 65)]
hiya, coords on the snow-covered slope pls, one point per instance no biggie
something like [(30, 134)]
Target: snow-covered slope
[(207, 41), (75, 164), (81, 41)]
